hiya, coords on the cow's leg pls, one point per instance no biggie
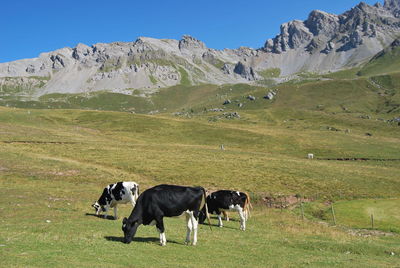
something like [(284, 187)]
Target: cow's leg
[(194, 225), (115, 212), (246, 213), (106, 208), (160, 227), (219, 214), (189, 227), (239, 209), (226, 215)]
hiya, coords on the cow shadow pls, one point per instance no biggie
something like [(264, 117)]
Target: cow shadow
[(109, 217), (140, 239)]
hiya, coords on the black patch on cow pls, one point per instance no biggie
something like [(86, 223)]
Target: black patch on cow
[(104, 198), (117, 192), (133, 190)]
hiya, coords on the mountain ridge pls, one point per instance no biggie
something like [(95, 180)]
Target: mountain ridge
[(322, 43)]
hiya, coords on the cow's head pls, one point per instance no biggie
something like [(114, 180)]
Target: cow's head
[(129, 229), (202, 216), (98, 208)]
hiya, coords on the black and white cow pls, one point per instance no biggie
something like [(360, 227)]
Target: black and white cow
[(225, 200), (166, 201), (117, 193)]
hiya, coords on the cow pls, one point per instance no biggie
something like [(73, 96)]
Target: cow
[(224, 200), (166, 201), (114, 194)]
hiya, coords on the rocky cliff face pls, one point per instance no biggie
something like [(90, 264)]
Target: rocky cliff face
[(323, 42)]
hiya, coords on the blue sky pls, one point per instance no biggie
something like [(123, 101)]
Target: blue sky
[(31, 27)]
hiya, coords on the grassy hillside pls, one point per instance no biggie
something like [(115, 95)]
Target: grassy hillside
[(357, 214), (54, 164), (58, 152), (385, 62)]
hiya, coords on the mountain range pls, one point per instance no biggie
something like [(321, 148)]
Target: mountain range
[(322, 43)]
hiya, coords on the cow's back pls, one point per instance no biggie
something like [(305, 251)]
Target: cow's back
[(132, 188), (172, 200), (121, 192)]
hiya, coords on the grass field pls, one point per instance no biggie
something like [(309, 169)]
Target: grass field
[(357, 214), (54, 163), (57, 153)]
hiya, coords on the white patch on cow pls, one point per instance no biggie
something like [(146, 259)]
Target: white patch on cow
[(163, 239), (238, 193)]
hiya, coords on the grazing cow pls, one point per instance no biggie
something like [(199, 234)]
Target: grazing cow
[(224, 200), (166, 201), (117, 193)]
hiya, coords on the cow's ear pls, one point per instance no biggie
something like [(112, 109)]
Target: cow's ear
[(124, 220)]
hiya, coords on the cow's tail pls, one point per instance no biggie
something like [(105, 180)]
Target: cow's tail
[(247, 204), (204, 201)]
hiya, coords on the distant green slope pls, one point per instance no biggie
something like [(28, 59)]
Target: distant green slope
[(387, 61)]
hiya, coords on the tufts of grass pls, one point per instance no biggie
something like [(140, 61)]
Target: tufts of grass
[(185, 81), (270, 73)]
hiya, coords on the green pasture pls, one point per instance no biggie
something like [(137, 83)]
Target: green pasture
[(54, 164), (383, 214), (59, 151)]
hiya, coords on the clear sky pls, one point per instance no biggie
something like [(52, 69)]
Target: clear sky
[(29, 27)]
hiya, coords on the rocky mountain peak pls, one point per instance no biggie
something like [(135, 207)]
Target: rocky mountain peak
[(320, 22), (293, 35), (81, 51), (189, 42), (393, 6), (323, 42)]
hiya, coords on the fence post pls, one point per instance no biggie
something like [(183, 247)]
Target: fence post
[(333, 214)]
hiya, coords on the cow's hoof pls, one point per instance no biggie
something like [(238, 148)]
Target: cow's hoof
[(163, 244), (220, 226)]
